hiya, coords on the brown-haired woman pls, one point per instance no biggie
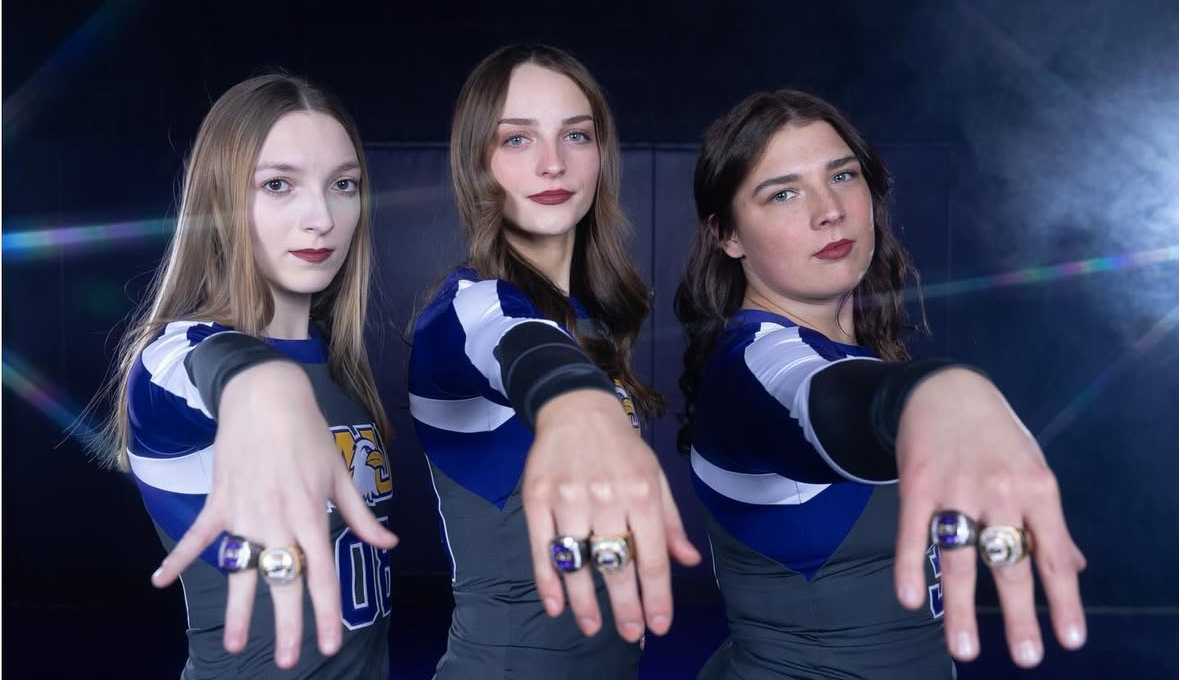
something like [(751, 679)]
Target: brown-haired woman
[(798, 432), (244, 400), (522, 393)]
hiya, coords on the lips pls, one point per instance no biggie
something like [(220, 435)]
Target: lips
[(313, 255), (835, 250), (551, 197)]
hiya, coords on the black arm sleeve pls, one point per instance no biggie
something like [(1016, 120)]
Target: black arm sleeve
[(539, 362), (219, 357), (855, 409)]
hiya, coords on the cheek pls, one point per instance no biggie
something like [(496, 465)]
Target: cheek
[(504, 171)]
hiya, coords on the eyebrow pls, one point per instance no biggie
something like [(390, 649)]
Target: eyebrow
[(786, 179), (532, 121), (287, 167)]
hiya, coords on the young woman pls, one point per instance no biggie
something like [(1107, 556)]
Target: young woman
[(797, 430), (522, 395), (261, 301)]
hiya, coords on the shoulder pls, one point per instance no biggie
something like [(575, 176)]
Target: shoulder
[(469, 299), (174, 342)]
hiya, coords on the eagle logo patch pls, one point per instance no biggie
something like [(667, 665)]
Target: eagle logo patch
[(364, 455)]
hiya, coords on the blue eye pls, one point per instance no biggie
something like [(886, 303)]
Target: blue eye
[(783, 196), (845, 176), (515, 140), (578, 136)]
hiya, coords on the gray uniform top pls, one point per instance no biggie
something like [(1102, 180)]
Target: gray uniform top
[(803, 555), (171, 455), (476, 445)]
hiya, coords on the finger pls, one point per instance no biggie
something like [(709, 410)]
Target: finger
[(1059, 561), (572, 514), (648, 525), (677, 539), (204, 530), (288, 621), (356, 513), (541, 530), (958, 567), (607, 502), (322, 583), (912, 542), (238, 608), (1017, 600)]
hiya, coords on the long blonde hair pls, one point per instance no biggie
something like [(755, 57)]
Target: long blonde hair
[(209, 272), (604, 276)]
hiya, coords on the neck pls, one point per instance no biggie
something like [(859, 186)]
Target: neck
[(551, 255), (292, 317), (834, 318)]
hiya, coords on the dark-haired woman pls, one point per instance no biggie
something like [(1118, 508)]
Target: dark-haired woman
[(803, 411)]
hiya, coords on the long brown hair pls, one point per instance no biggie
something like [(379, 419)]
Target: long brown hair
[(713, 287), (604, 278), (209, 272)]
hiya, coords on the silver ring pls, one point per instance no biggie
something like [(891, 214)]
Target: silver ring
[(611, 553), (237, 553), (568, 554), (280, 566), (951, 529), (1003, 546)]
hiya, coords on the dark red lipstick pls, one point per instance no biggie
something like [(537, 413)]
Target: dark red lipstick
[(836, 250), (552, 197), (313, 255)]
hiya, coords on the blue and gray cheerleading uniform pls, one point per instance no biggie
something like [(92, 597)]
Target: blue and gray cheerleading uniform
[(802, 509), (482, 361), (174, 392)]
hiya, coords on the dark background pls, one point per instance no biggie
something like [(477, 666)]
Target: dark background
[(1035, 147)]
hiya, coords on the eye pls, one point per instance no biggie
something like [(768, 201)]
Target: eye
[(277, 186), (783, 196), (578, 136), (515, 140), (346, 185), (845, 176)]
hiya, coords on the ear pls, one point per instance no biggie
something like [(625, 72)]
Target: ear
[(731, 244)]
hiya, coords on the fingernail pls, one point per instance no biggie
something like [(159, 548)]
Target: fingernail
[(286, 657), (155, 575), (330, 646), (550, 606), (588, 624), (660, 621), (632, 630), (964, 646), (1074, 636), (909, 596), (1027, 653)]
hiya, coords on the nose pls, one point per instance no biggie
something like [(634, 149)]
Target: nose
[(317, 214), (828, 209), (551, 162)]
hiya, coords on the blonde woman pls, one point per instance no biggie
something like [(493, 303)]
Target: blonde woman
[(245, 401)]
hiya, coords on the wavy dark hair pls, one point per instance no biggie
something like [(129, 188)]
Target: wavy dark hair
[(604, 278), (713, 286)]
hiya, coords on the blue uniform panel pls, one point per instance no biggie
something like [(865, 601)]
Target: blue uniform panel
[(476, 446), (802, 549), (171, 453)]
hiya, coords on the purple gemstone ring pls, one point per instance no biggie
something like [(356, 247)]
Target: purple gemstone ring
[(237, 553), (951, 529), (567, 553)]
